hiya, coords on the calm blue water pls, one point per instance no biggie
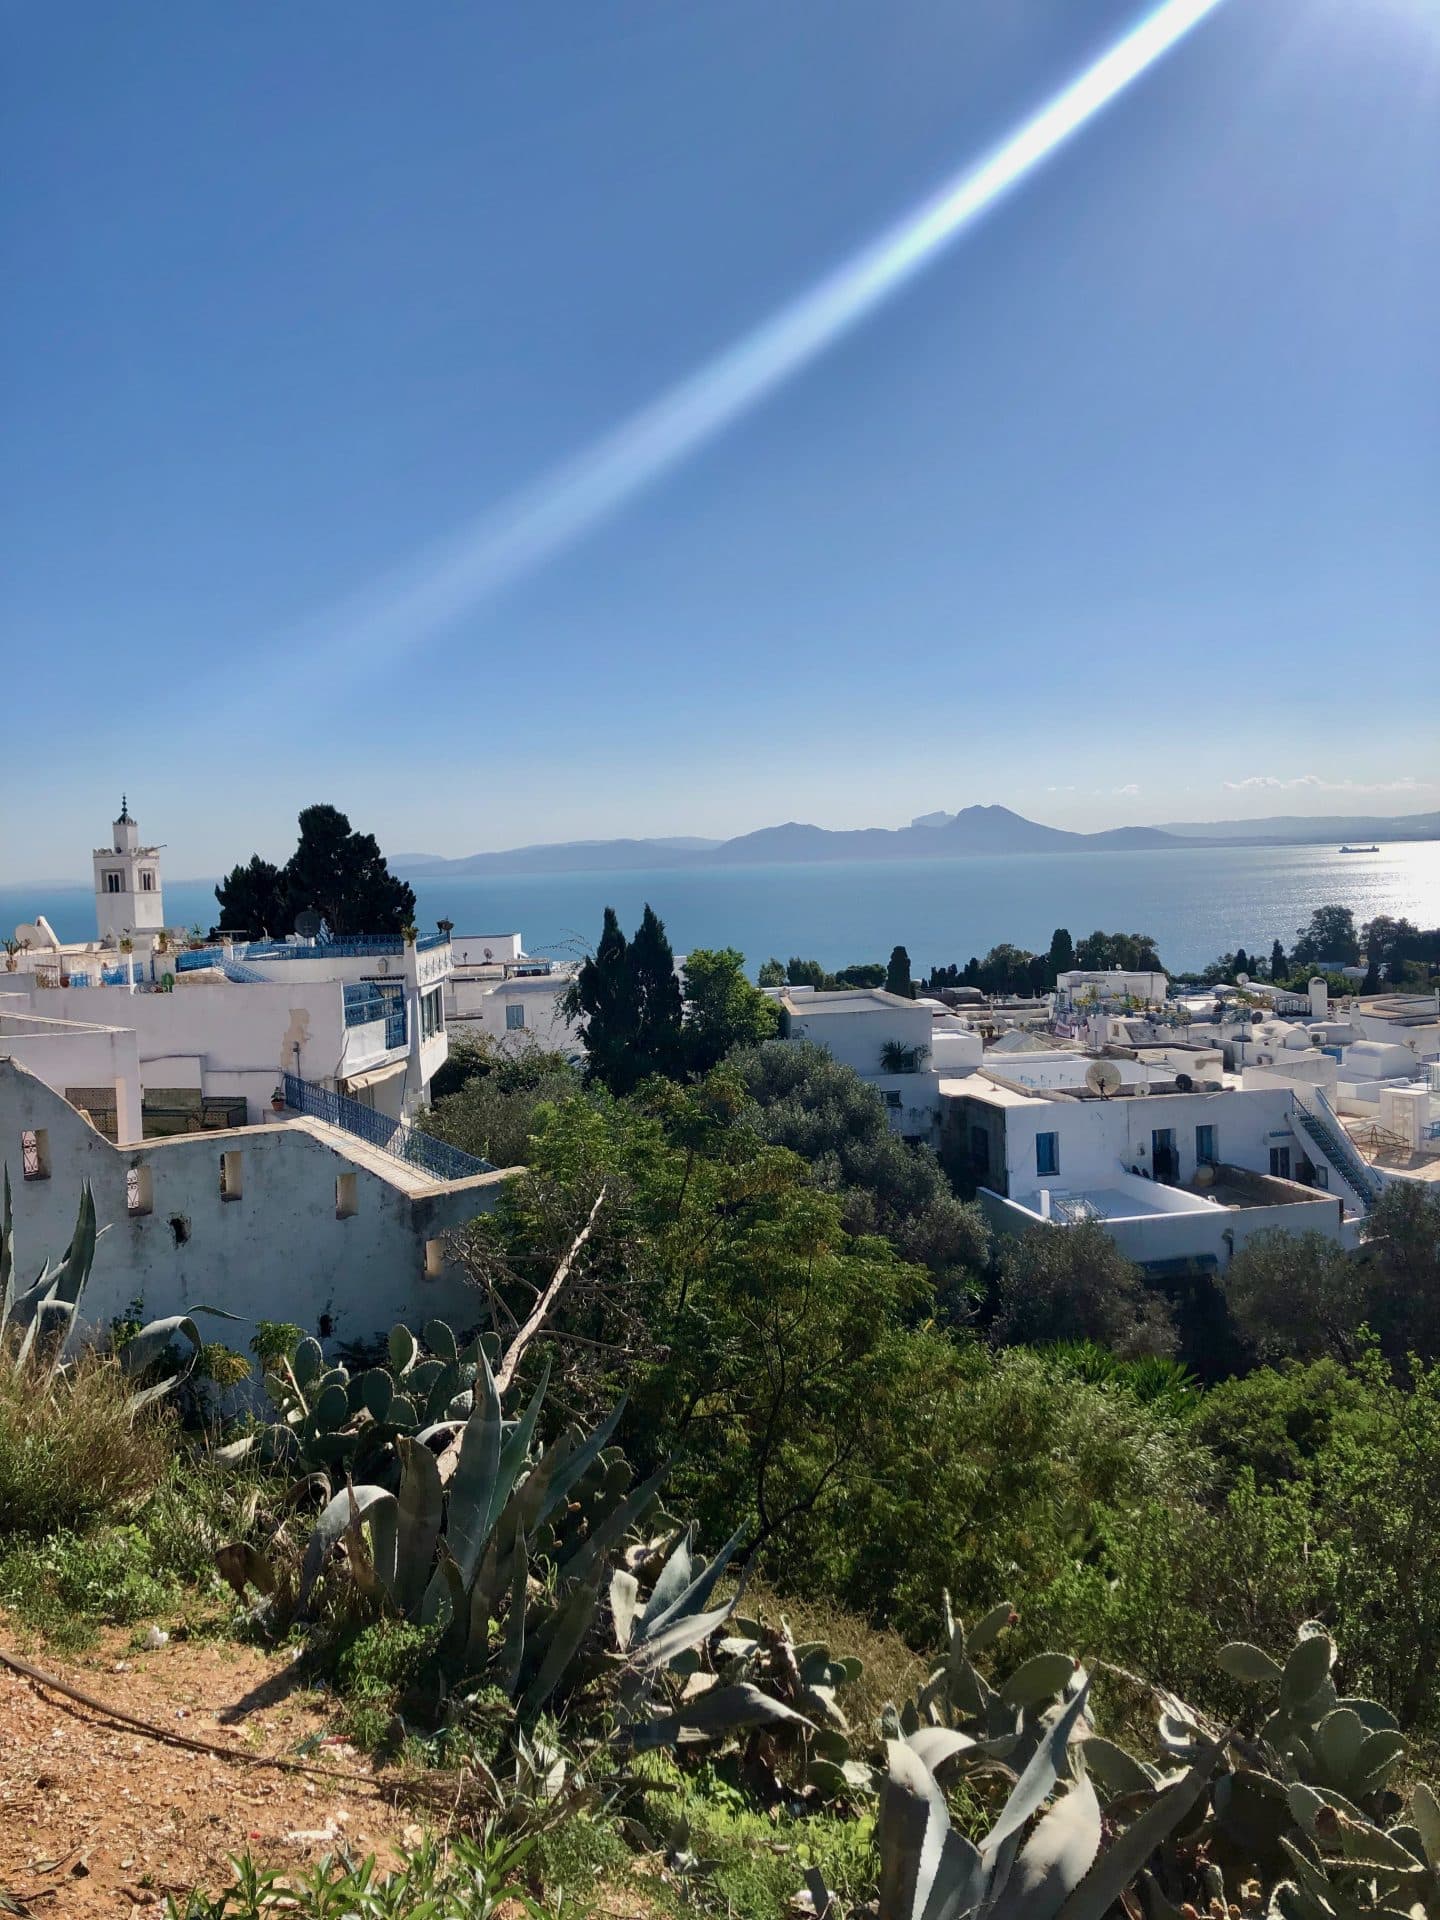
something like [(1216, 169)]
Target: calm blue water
[(1197, 902)]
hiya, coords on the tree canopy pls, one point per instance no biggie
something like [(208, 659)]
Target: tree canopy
[(335, 871)]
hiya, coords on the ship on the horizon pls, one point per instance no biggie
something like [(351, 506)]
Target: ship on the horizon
[(1359, 849)]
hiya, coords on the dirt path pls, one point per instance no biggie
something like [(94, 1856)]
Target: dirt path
[(98, 1819)]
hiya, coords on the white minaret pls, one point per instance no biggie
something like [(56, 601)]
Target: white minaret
[(127, 885)]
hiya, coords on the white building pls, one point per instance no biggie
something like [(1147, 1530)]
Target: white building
[(297, 1221), (128, 898), (891, 1042), (1087, 987), (1178, 1167), (495, 988)]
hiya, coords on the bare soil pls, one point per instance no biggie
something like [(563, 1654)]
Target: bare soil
[(99, 1819)]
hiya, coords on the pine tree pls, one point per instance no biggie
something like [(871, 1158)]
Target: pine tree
[(1242, 961), (658, 1005), (1278, 967), (897, 974)]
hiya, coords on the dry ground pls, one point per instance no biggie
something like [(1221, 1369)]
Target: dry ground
[(99, 1819)]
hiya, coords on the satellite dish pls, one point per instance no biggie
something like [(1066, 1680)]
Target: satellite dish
[(307, 923), (1242, 979), (1103, 1077), (1183, 1083)]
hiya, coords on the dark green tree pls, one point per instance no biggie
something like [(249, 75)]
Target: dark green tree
[(865, 973), (805, 973), (343, 875), (897, 974), (772, 973), (658, 1006), (1073, 1283), (1330, 936), (722, 1010), (602, 1000), (1062, 953), (1278, 964), (1242, 961), (253, 898)]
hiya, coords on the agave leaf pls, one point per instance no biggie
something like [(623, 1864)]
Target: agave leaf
[(650, 1656), (515, 1447), (1037, 1782), (514, 1656), (1130, 1850), (443, 1602), (937, 1746), (1056, 1857), (927, 1870), (242, 1565), (674, 1577), (419, 1513), (624, 1605), (374, 1503), (701, 1586), (719, 1710), (472, 1491), (567, 1631), (1248, 1663)]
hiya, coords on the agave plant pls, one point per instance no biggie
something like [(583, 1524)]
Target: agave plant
[(929, 1871)]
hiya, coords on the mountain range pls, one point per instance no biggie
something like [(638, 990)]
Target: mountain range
[(934, 836)]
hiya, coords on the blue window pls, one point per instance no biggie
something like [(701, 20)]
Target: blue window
[(1205, 1154), (1047, 1153), (514, 1018)]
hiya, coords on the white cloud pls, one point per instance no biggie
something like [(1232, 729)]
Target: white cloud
[(1127, 793), (1312, 783), (1060, 789)]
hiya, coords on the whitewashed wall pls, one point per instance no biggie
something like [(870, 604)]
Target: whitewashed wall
[(278, 1252)]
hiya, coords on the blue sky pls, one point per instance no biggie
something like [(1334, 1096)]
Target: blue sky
[(1125, 510)]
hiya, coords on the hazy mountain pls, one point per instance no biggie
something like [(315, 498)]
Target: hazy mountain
[(1312, 829), (934, 836)]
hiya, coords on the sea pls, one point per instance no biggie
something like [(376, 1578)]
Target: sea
[(1197, 902)]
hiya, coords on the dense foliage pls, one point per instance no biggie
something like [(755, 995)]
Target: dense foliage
[(334, 871)]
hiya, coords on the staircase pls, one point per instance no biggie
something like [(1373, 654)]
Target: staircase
[(1321, 1126)]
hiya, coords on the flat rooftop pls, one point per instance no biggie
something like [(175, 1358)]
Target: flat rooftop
[(848, 1000)]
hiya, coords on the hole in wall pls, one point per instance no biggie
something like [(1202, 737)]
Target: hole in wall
[(180, 1228), (325, 1326)]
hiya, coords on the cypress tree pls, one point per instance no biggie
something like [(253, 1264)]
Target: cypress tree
[(656, 991), (603, 1000), (897, 974), (1061, 958), (1278, 966)]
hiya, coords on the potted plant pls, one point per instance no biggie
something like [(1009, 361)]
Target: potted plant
[(13, 947), (446, 927), (277, 1100), (410, 933)]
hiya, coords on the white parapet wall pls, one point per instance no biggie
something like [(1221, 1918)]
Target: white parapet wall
[(294, 1221)]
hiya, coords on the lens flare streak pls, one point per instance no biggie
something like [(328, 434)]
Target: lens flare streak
[(517, 537)]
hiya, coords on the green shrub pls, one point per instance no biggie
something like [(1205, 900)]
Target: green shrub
[(72, 1453)]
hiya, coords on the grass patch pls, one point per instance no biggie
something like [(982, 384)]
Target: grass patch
[(66, 1586), (893, 1671), (71, 1454)]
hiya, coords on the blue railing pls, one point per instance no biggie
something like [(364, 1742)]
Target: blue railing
[(428, 940), (368, 1000), (235, 970), (79, 979), (117, 976), (193, 957), (395, 1137)]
